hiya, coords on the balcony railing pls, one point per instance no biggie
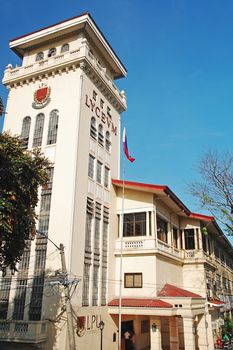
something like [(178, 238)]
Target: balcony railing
[(24, 331), (12, 75)]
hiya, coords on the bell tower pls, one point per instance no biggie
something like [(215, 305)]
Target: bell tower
[(63, 99)]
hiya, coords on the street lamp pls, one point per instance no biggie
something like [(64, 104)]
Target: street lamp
[(101, 327)]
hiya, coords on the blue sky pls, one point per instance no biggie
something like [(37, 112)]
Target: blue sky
[(179, 57)]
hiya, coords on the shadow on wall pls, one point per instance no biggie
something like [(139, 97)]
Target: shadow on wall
[(41, 330)]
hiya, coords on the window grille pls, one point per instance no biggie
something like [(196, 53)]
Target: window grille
[(86, 284), (106, 177), (101, 135), (89, 217), (21, 287), (25, 131), (38, 132), (93, 129), (101, 103), (4, 294), (99, 172), (108, 141), (65, 48), (97, 225), (95, 286), (91, 164), (40, 259), (104, 286), (40, 56), (104, 255), (53, 127)]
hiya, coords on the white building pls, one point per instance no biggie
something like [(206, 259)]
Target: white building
[(63, 99)]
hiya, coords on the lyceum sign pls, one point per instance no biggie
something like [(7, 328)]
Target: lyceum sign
[(105, 119)]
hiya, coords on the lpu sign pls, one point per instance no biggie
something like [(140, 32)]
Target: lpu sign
[(100, 114)]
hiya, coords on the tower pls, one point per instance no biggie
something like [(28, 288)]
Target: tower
[(63, 99)]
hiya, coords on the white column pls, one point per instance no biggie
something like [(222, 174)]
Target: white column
[(195, 239), (209, 331), (155, 336), (189, 336), (183, 240), (202, 333), (147, 224), (200, 239)]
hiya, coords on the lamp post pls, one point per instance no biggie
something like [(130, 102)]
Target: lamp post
[(101, 327)]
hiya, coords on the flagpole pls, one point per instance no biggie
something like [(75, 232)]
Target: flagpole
[(121, 251)]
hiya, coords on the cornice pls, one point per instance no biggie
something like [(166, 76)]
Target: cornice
[(63, 64)]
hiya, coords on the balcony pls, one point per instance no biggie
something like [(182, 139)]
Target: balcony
[(24, 331), (145, 244)]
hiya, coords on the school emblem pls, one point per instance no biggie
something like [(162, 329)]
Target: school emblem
[(81, 329), (41, 97)]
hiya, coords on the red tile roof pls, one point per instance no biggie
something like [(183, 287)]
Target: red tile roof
[(150, 303), (216, 302), (172, 291)]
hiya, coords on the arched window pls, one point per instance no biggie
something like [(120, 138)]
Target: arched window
[(25, 131), (53, 127), (40, 56), (52, 52), (38, 132), (108, 141), (101, 135), (65, 48), (93, 130)]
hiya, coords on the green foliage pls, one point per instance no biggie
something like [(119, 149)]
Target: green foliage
[(21, 174)]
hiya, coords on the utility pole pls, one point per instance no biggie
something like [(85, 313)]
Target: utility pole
[(70, 325)]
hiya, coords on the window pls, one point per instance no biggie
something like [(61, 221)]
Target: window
[(175, 237), (65, 48), (189, 239), (106, 177), (134, 224), (40, 56), (109, 112), (95, 285), (133, 280), (5, 294), (53, 127), (89, 217), (21, 287), (108, 141), (101, 135), (94, 95), (52, 52), (86, 281), (38, 132), (101, 103), (97, 226), (99, 172), (25, 131), (162, 229), (104, 255), (93, 129), (91, 166)]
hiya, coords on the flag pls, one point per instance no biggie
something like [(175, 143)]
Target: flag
[(125, 147)]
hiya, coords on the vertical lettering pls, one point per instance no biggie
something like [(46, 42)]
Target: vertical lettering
[(97, 110), (86, 103), (92, 105), (114, 129)]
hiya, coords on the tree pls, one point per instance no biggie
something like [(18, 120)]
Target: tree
[(215, 190), (21, 174)]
